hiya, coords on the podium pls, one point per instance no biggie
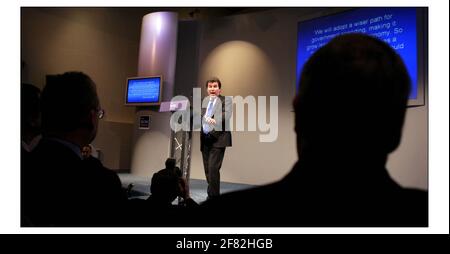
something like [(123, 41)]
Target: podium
[(180, 141)]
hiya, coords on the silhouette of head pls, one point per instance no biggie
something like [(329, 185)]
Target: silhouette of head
[(171, 165), (165, 185), (69, 103), (352, 98)]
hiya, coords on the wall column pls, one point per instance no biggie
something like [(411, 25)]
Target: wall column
[(157, 56)]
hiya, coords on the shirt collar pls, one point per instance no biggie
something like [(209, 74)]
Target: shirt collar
[(213, 99), (76, 149), (32, 144)]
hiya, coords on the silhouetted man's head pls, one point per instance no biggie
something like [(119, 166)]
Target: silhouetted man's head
[(171, 165), (353, 96), (70, 103)]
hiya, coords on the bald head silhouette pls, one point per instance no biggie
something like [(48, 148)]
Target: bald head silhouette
[(352, 98)]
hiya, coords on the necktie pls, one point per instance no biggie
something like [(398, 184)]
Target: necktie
[(209, 110)]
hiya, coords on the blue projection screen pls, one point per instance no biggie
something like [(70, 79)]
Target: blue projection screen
[(143, 91), (395, 26)]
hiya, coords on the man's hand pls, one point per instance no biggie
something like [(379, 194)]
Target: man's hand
[(210, 120)]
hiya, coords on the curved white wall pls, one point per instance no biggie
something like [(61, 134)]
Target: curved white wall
[(157, 56)]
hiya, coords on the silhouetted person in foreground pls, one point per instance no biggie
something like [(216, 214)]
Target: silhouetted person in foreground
[(58, 188), (30, 125), (30, 116), (164, 188), (166, 185), (171, 166), (110, 187), (349, 115)]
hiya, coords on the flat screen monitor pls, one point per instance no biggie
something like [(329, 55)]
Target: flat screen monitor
[(401, 27), (143, 91)]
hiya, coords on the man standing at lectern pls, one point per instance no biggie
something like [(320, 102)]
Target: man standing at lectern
[(215, 134)]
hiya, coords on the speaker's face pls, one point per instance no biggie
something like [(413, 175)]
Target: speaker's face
[(213, 89)]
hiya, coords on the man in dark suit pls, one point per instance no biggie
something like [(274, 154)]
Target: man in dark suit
[(349, 115), (215, 134), (59, 188)]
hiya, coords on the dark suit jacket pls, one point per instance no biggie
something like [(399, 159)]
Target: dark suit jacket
[(220, 136), (59, 189)]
